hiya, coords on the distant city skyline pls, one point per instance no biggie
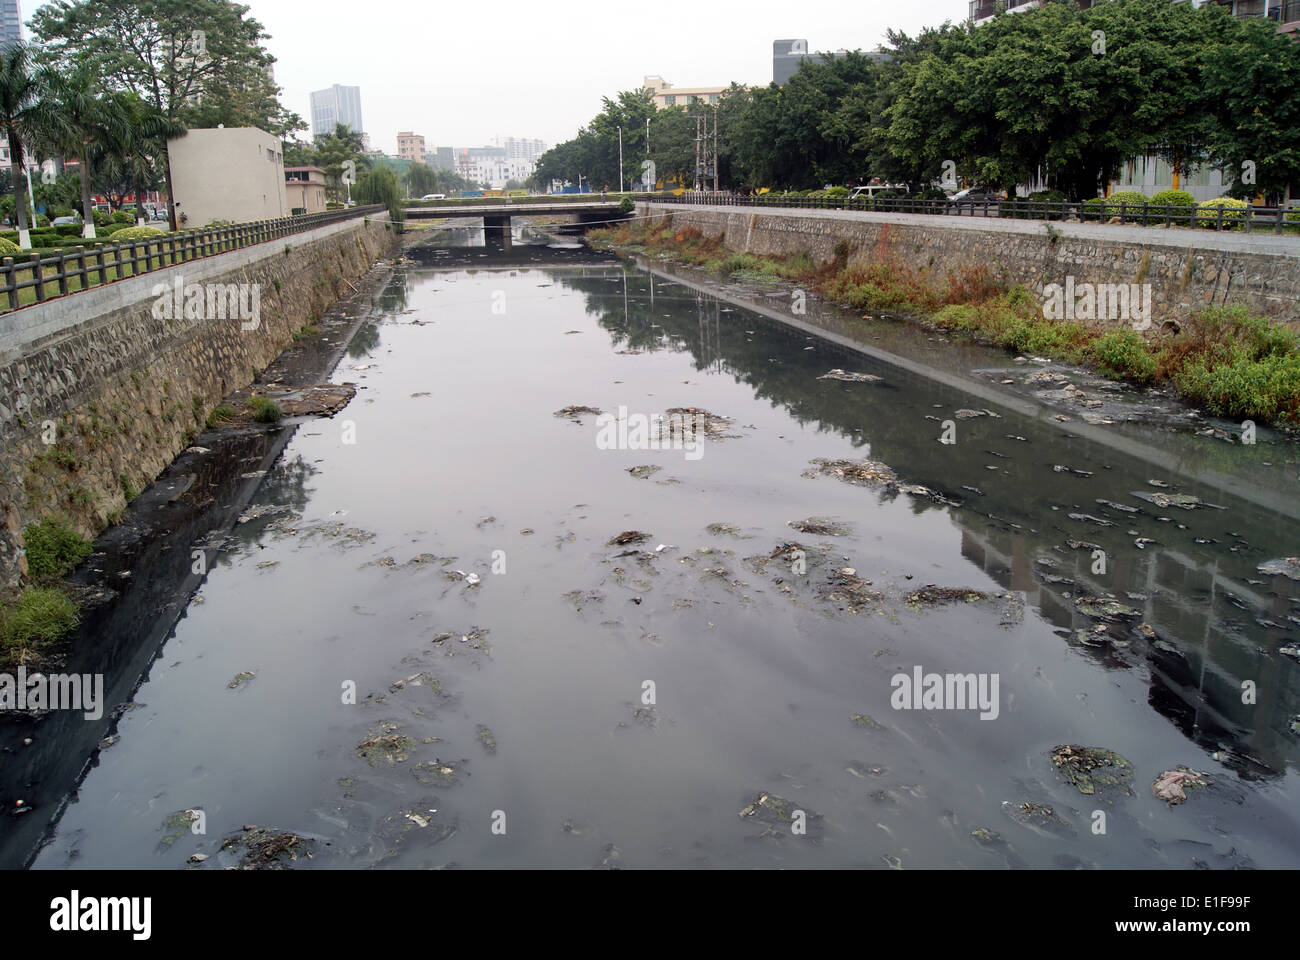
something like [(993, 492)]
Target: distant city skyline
[(539, 77)]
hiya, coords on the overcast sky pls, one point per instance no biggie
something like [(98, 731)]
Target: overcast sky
[(526, 69)]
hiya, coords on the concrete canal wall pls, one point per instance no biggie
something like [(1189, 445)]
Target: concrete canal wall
[(1187, 269), (121, 383)]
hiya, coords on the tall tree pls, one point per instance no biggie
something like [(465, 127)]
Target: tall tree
[(86, 122), (24, 113)]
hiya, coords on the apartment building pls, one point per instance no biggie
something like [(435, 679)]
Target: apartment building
[(410, 146), (666, 95)]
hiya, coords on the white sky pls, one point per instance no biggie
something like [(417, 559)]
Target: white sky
[(527, 69)]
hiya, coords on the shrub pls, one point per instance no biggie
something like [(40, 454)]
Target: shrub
[(1123, 355), (122, 216), (8, 248), (265, 410), (220, 413), (42, 220), (53, 549), (68, 230), (837, 192), (1208, 211), (1173, 198), (626, 205), (40, 616), (102, 219), (137, 233), (109, 229)]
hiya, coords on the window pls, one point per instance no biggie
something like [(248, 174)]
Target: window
[(670, 101), (713, 98), (692, 100)]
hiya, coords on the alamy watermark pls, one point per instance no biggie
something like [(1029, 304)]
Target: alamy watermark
[(1130, 302), (946, 691), (209, 301), (639, 431), (56, 691)]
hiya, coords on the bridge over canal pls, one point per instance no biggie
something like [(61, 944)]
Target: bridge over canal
[(496, 216)]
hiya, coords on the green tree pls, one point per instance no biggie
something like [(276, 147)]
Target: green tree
[(24, 113), (421, 179), (380, 185), (86, 121)]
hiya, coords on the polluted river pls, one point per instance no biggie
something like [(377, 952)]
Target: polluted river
[(611, 564)]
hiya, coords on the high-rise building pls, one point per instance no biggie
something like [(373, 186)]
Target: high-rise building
[(335, 105), (410, 146), (521, 148), (11, 21), (787, 55)]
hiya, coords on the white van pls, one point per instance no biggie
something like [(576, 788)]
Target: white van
[(434, 196)]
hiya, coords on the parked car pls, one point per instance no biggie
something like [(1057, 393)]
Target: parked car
[(873, 189), (974, 195), (159, 213), (434, 196), (66, 222)]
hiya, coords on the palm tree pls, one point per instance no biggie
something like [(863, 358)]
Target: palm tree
[(130, 144), (24, 113), (85, 120)]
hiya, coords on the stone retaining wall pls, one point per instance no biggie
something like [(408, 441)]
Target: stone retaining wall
[(1187, 269), (120, 388)]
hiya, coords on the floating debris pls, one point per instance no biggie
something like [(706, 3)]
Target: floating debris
[(240, 679), (687, 423), (838, 374), (848, 588), (1092, 768), (1105, 608), (820, 526), (582, 598), (726, 529), (645, 471), (1172, 785), (869, 473), (1291, 650), (435, 772), (1082, 545), (1184, 501), (1062, 468), (780, 815), (576, 412), (1038, 817), (268, 849), (1089, 518), (1286, 567), (930, 595), (385, 745), (862, 720), (972, 414), (486, 738), (626, 537)]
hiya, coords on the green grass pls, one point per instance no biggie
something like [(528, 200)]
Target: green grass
[(39, 617), (265, 410), (53, 549), (1224, 360)]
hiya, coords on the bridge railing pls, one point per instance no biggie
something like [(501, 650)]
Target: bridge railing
[(1249, 218), (36, 278)]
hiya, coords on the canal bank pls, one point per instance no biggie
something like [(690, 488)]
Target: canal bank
[(100, 390)]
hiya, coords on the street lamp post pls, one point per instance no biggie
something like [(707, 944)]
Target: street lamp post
[(620, 159)]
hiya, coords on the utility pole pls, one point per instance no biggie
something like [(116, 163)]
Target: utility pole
[(620, 159), (715, 149)]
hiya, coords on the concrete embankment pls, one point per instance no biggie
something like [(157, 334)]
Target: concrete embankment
[(99, 391), (1187, 269)]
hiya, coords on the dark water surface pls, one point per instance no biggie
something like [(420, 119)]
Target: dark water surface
[(537, 722)]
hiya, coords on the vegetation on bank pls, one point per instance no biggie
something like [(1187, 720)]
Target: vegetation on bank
[(43, 612), (1224, 359)]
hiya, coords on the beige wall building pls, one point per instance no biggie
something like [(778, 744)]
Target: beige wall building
[(666, 95), (305, 187), (410, 146), (231, 173)]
